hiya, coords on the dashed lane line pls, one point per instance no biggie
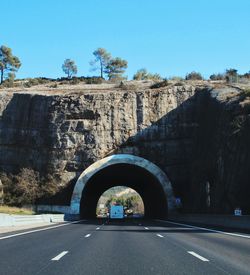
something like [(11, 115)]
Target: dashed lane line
[(146, 228), (198, 256), (59, 256), (159, 235), (87, 236), (98, 228)]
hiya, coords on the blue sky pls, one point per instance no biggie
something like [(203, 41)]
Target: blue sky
[(167, 37)]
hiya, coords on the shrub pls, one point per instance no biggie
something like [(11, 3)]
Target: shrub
[(36, 81), (31, 82), (217, 77), (26, 187), (232, 75), (176, 78), (194, 76), (125, 86), (246, 92), (143, 74), (75, 81), (93, 80), (161, 84), (54, 86), (9, 82)]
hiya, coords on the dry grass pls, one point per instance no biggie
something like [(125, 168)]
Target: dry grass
[(15, 210)]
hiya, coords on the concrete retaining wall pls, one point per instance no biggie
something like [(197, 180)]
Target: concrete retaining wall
[(230, 221), (16, 220), (65, 209)]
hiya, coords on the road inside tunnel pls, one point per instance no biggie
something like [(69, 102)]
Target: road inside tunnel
[(135, 177)]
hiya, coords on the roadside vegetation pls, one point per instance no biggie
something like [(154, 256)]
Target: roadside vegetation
[(26, 187), (15, 210)]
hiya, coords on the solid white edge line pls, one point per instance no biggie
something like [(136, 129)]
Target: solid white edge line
[(38, 230), (88, 235), (207, 229), (198, 256), (59, 256), (159, 235)]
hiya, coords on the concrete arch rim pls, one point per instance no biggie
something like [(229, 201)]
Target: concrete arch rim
[(121, 159)]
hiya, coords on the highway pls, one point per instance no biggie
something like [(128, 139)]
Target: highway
[(124, 247)]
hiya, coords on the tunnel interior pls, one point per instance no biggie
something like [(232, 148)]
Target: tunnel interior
[(121, 195), (135, 177)]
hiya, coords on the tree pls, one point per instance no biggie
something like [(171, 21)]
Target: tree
[(115, 68), (102, 58), (232, 75), (69, 67), (8, 62)]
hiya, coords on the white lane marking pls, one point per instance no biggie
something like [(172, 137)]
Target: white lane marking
[(159, 235), (88, 235), (59, 256), (207, 229), (97, 228), (198, 256), (38, 230), (146, 228)]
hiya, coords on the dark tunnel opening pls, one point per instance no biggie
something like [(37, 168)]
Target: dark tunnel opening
[(135, 177)]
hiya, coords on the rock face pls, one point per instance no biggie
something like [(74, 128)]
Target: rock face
[(196, 135)]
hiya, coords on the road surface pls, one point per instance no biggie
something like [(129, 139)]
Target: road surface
[(124, 247)]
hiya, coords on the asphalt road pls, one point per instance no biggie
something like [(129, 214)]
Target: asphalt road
[(125, 247)]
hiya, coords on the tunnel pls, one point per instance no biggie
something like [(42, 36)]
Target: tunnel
[(147, 179)]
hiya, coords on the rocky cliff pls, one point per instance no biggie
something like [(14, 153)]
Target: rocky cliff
[(197, 135)]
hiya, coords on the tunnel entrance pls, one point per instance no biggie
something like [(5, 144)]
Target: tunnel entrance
[(147, 179)]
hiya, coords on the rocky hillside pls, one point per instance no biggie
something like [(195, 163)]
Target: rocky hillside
[(198, 134)]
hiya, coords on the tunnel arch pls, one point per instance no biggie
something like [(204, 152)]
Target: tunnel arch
[(123, 169)]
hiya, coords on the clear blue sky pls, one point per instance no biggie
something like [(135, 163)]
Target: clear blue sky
[(170, 37)]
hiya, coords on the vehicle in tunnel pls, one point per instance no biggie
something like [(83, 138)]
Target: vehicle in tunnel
[(116, 212)]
